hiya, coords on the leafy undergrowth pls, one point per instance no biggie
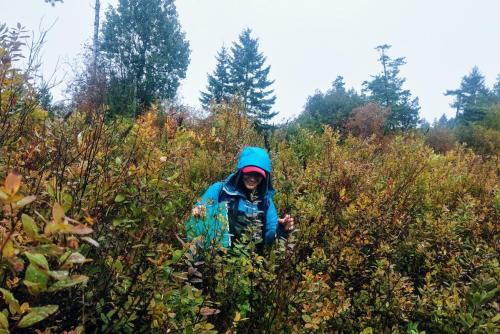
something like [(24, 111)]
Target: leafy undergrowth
[(391, 237)]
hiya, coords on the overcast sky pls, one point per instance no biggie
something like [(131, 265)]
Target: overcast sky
[(307, 43)]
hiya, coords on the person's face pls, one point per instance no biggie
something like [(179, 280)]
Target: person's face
[(252, 180)]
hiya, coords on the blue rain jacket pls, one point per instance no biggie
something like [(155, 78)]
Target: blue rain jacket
[(225, 201)]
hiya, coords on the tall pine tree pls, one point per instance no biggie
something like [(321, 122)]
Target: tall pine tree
[(219, 87), (496, 90), (249, 79), (386, 89), (472, 98)]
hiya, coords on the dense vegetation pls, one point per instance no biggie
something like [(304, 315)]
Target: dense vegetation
[(397, 229)]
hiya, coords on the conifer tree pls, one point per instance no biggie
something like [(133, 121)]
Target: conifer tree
[(145, 52), (219, 87), (496, 89), (386, 89), (249, 79), (333, 107), (472, 98)]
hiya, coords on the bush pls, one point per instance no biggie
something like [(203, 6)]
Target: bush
[(390, 238)]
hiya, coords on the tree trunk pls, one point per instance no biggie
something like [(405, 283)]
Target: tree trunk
[(96, 38)]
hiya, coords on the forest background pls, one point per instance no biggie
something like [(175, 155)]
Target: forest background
[(397, 218)]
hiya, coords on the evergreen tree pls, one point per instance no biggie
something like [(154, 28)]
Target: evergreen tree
[(496, 90), (333, 107), (387, 90), (219, 87), (249, 79), (145, 52), (472, 98)]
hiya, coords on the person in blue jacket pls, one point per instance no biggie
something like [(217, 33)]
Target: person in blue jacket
[(245, 198)]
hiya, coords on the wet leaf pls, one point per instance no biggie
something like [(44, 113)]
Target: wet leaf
[(37, 314)]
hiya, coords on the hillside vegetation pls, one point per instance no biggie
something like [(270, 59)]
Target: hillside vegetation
[(391, 237)]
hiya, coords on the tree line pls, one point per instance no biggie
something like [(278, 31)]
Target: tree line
[(144, 55)]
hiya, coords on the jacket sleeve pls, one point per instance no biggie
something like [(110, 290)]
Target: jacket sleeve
[(210, 226), (272, 228), (211, 195)]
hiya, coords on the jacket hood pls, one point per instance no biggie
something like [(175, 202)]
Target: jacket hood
[(254, 156), (251, 156)]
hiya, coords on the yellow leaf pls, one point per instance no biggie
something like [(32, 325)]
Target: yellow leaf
[(58, 213), (12, 182), (8, 249), (89, 220), (3, 196), (25, 201), (237, 317), (24, 307)]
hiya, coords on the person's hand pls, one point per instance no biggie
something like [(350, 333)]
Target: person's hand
[(287, 222), (199, 211)]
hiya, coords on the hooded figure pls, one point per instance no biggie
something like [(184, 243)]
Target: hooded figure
[(244, 199)]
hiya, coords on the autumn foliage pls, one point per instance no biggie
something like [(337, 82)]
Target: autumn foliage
[(390, 238)]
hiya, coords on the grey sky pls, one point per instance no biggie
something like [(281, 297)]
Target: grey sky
[(309, 43)]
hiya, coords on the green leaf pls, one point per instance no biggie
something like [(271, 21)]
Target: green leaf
[(10, 301), (119, 198), (37, 314), (33, 274), (38, 260), (68, 282), (35, 280), (67, 201), (495, 319), (29, 226), (50, 249), (4, 322)]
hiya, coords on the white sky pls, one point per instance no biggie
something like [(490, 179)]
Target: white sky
[(307, 43)]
